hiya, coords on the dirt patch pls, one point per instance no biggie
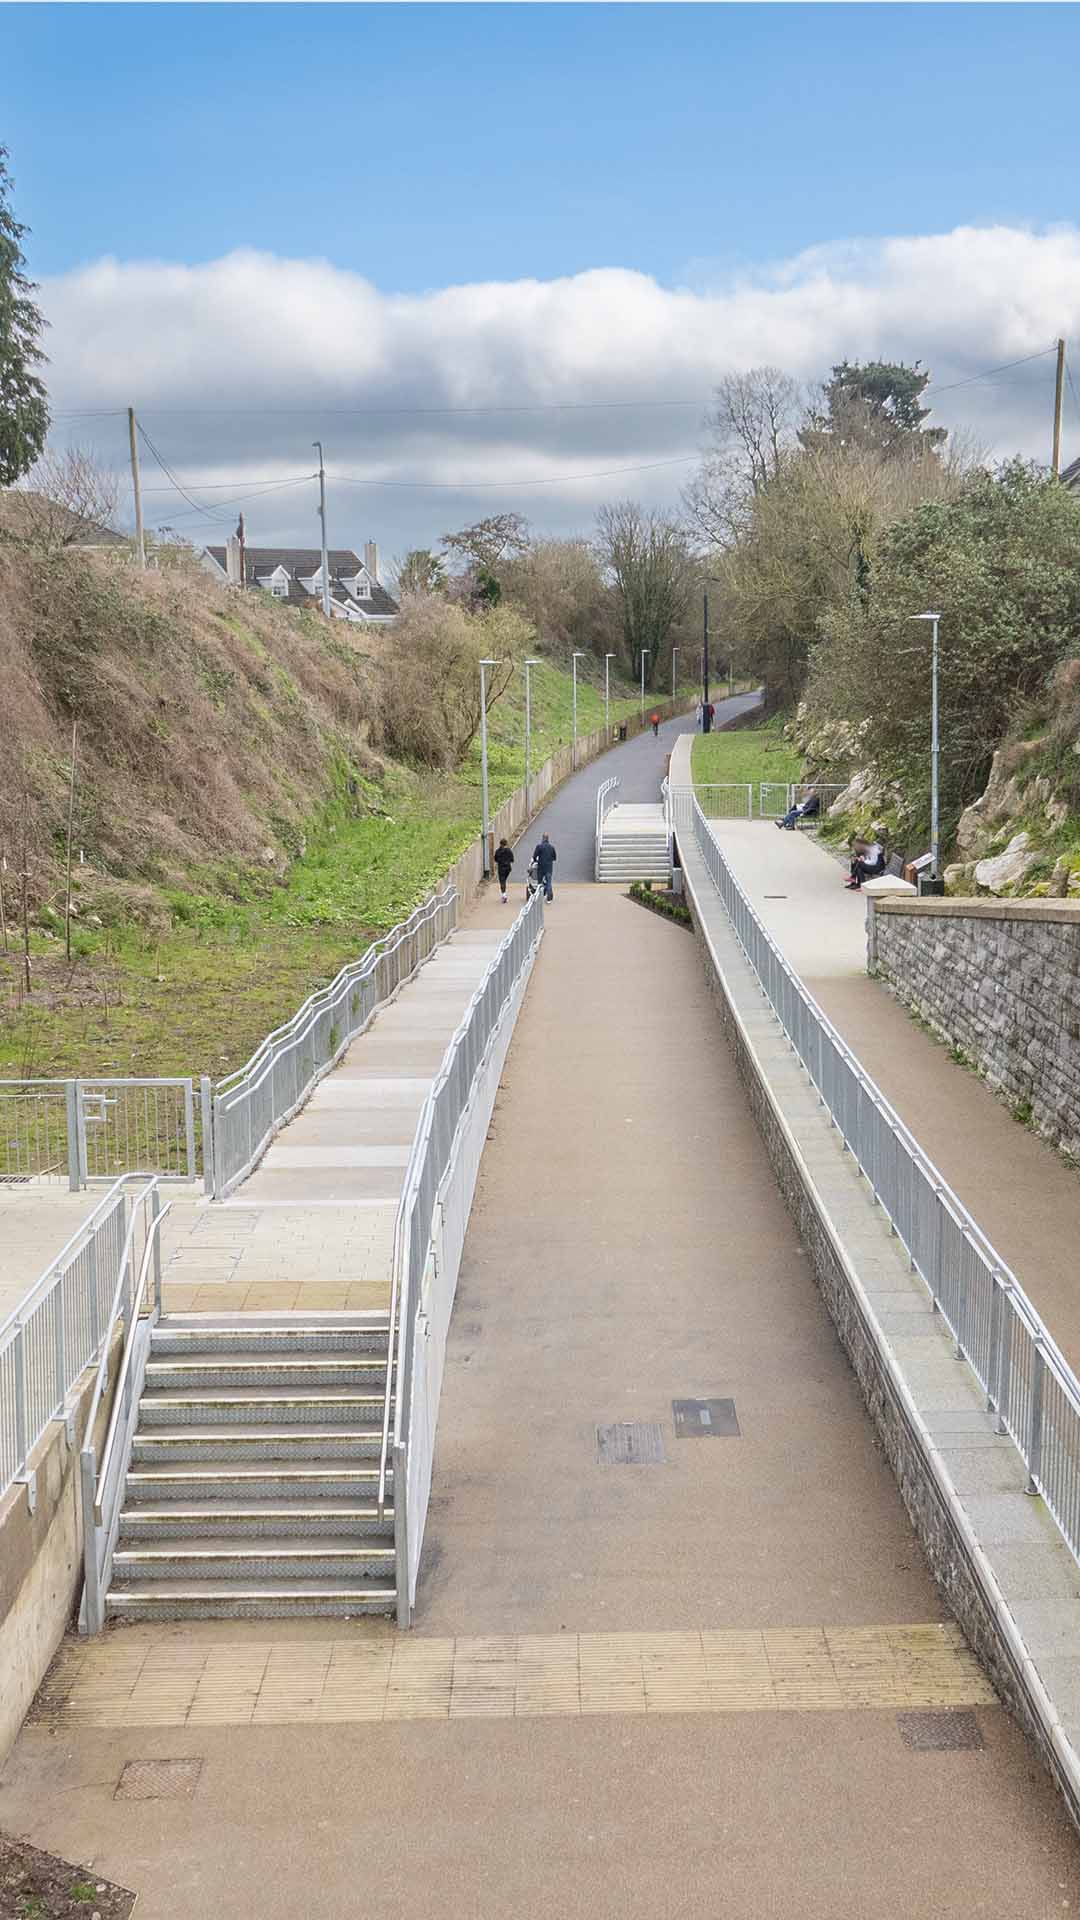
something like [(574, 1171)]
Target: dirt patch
[(38, 1886)]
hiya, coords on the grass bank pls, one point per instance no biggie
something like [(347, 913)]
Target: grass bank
[(745, 754)]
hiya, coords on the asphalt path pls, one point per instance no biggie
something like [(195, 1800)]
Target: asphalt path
[(639, 766)]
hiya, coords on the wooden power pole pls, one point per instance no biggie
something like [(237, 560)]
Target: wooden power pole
[(140, 543), (1059, 395)]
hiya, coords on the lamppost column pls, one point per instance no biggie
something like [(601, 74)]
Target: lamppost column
[(484, 664)]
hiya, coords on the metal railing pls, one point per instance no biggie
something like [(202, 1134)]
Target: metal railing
[(727, 800), (101, 1488), (83, 1131), (1029, 1385), (56, 1332), (605, 798), (777, 797), (444, 1111), (251, 1104)]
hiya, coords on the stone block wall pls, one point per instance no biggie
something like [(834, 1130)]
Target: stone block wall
[(1000, 979)]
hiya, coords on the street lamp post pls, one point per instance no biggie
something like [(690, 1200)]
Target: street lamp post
[(935, 837), (608, 658), (528, 737), (674, 651), (484, 664), (574, 658), (645, 652), (705, 666)]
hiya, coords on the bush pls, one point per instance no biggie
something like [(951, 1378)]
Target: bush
[(430, 684)]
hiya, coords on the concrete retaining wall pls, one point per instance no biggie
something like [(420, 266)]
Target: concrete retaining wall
[(41, 1562), (999, 979), (986, 1600)]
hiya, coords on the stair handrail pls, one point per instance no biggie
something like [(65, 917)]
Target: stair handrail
[(604, 799), (100, 1514)]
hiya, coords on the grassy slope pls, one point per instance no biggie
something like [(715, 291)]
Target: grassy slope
[(240, 955), (745, 754)]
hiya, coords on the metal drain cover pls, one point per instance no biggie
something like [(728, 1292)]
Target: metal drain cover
[(705, 1419), (158, 1780), (637, 1443), (950, 1732)]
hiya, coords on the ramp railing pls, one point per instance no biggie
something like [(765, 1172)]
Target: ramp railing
[(1029, 1386), (605, 800)]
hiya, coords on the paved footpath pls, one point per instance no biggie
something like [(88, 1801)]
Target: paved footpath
[(1024, 1197), (724, 1654)]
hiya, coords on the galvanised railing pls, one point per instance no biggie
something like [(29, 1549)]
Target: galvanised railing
[(249, 1106), (57, 1331), (605, 798), (1029, 1385), (412, 1430), (82, 1131), (777, 797), (727, 800)]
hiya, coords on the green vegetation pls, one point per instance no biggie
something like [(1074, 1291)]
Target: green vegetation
[(662, 901), (745, 754)]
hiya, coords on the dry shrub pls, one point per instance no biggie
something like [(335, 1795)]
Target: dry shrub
[(430, 685)]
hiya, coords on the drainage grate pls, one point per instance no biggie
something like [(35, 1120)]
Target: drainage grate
[(705, 1419), (158, 1780), (775, 896), (14, 1179), (951, 1732), (631, 1444)]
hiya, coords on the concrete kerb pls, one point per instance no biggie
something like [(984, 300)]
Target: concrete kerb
[(958, 1561)]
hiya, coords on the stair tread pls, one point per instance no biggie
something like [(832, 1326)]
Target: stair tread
[(336, 1506), (244, 1547), (252, 1470), (298, 1363), (375, 1321), (243, 1396), (172, 1590), (209, 1430)]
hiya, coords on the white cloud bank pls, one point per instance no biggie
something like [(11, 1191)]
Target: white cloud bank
[(236, 365)]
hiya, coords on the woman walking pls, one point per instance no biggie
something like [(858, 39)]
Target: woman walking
[(504, 860)]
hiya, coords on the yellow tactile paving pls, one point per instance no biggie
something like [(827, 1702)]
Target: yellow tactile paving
[(125, 1682), (275, 1296)]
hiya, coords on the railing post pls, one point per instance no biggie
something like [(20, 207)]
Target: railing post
[(71, 1094), (206, 1103), (993, 1360), (1035, 1428), (91, 1571), (155, 1213), (1004, 1357), (80, 1134), (189, 1127), (19, 1358)]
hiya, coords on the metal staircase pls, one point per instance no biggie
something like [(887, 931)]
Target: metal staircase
[(252, 1488)]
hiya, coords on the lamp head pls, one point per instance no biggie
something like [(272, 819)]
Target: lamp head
[(924, 616)]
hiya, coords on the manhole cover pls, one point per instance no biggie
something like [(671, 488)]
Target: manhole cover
[(158, 1780), (631, 1444), (940, 1732), (705, 1419)]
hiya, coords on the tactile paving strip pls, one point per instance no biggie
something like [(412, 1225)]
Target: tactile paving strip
[(127, 1682)]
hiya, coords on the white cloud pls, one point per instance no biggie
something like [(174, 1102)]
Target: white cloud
[(237, 364)]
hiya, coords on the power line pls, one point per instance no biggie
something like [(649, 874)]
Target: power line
[(220, 486), (549, 480), (199, 505), (988, 372)]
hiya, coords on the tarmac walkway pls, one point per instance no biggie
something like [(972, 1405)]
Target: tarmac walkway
[(1023, 1195), (723, 1638)]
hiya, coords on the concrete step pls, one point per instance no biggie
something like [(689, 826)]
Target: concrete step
[(227, 1444), (254, 1406), (233, 1483), (267, 1518), (300, 1371), (270, 1333), (237, 1600), (254, 1561)]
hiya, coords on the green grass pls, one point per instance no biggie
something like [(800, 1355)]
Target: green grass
[(745, 754), (239, 952)]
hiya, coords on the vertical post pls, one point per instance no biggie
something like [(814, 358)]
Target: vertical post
[(322, 520), (19, 1358), (574, 658), (80, 1134), (70, 824), (1035, 1429), (674, 651), (1059, 395), (136, 488), (189, 1127), (608, 658), (645, 652), (935, 843), (206, 1103), (529, 664), (484, 664), (91, 1571), (71, 1095), (155, 1211), (705, 661)]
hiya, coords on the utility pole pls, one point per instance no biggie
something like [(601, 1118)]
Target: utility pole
[(1059, 395), (322, 517), (140, 541), (240, 537)]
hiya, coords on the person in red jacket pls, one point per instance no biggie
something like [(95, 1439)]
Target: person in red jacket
[(655, 725)]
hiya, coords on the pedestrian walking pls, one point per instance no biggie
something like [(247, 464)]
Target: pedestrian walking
[(504, 860), (655, 725), (544, 857)]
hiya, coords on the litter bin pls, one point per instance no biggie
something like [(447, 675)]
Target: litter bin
[(620, 731)]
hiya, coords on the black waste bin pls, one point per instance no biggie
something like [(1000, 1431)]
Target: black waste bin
[(620, 730)]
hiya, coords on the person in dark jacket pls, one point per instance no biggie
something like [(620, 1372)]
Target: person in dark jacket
[(504, 860), (544, 856)]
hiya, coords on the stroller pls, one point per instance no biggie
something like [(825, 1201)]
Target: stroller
[(532, 879)]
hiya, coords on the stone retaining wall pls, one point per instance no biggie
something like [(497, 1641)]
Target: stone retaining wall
[(1000, 979)]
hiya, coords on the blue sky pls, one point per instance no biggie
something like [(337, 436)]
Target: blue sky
[(259, 223), (426, 144)]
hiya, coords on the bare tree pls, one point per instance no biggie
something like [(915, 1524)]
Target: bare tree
[(753, 423), (489, 541), (421, 571), (70, 500), (649, 562)]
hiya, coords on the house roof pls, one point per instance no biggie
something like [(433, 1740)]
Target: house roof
[(1071, 475), (300, 563)]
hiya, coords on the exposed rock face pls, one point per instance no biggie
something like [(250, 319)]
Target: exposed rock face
[(960, 873), (1007, 869), (1059, 879), (979, 822), (861, 790)]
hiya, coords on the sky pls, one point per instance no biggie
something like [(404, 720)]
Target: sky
[(497, 256)]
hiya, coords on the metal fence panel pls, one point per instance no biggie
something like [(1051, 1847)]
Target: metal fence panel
[(996, 1329), (35, 1142), (726, 800)]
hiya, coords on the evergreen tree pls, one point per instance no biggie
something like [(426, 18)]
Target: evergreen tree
[(24, 409)]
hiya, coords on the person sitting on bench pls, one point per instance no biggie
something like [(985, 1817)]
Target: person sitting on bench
[(806, 809), (867, 860)]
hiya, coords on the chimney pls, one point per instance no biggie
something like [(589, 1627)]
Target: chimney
[(232, 560), (371, 561)]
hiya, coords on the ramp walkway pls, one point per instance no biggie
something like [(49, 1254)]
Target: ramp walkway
[(728, 1652), (1024, 1196)]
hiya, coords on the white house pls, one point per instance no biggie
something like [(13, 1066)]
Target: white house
[(294, 574)]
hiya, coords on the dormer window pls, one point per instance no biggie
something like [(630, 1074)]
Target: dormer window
[(279, 587), (362, 587)]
